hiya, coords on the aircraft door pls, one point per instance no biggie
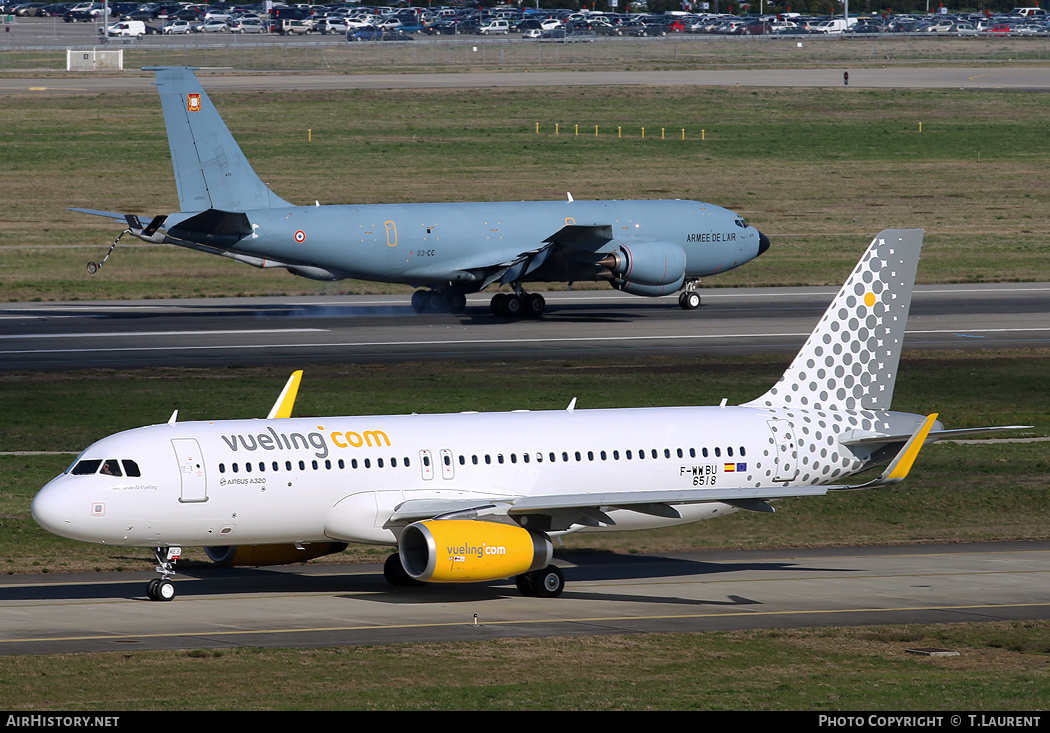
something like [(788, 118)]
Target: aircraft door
[(426, 464), (448, 469), (391, 234), (787, 454), (191, 470)]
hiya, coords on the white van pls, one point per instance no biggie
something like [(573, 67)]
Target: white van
[(130, 28), (499, 25), (1028, 12), (837, 25)]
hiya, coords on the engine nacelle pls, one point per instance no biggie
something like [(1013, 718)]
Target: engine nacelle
[(651, 291), (256, 555), (647, 263), (470, 551)]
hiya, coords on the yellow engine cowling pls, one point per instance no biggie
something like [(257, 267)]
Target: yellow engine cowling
[(469, 551), (256, 555)]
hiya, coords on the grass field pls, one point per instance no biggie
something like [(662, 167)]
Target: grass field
[(819, 171)]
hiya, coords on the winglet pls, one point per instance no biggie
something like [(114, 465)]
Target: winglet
[(900, 466), (283, 406)]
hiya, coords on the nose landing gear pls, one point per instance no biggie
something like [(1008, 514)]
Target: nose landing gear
[(162, 589)]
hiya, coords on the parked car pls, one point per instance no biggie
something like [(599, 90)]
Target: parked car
[(173, 27), (367, 33), (246, 25), (211, 26), (295, 27), (333, 25)]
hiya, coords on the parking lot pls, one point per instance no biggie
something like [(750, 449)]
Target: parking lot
[(39, 44)]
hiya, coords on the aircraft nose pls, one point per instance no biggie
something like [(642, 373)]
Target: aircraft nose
[(763, 242), (51, 509)]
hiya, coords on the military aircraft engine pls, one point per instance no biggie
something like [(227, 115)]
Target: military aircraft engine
[(470, 551), (257, 555), (646, 268)]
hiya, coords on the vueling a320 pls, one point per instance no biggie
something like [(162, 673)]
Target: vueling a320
[(649, 248), (477, 497)]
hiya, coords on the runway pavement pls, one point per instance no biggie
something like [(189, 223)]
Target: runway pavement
[(329, 605), (215, 80), (578, 324)]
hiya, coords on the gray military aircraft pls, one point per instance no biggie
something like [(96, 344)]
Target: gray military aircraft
[(648, 248)]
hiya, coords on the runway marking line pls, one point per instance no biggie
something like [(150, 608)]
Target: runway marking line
[(464, 342), (471, 623)]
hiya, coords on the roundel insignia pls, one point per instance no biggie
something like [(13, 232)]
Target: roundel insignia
[(300, 236)]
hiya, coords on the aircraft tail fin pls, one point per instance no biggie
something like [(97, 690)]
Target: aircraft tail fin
[(850, 360), (211, 172)]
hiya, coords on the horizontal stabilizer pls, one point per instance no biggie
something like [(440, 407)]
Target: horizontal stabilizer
[(108, 214), (934, 435), (901, 465), (214, 228)]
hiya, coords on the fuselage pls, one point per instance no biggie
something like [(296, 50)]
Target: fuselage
[(242, 482), (458, 242)]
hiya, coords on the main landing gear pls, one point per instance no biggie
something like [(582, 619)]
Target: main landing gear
[(162, 589), (546, 583), (448, 300), (517, 304)]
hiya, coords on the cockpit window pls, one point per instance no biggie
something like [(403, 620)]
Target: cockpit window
[(111, 468), (741, 223), (83, 468)]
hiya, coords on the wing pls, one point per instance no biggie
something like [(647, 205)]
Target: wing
[(570, 253)]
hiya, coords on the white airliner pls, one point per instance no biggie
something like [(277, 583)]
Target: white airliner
[(474, 497)]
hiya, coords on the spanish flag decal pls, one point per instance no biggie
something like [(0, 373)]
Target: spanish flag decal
[(193, 102)]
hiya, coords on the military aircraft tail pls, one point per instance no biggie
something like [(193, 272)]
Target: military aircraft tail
[(211, 172), (850, 360)]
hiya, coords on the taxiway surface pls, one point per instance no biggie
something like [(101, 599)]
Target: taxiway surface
[(332, 605)]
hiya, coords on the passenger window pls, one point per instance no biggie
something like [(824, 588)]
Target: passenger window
[(111, 467), (131, 468)]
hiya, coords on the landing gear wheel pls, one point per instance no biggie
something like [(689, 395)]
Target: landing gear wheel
[(546, 583), (535, 305), (457, 301), (549, 582), (435, 303), (512, 305), (689, 300), (160, 589), (419, 301), (496, 304), (525, 586), (395, 574)]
